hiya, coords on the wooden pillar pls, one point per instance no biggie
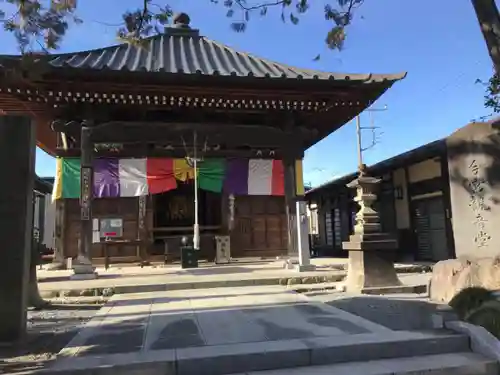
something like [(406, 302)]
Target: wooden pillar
[(149, 225), (86, 177), (17, 162), (225, 214), (59, 231), (141, 229), (290, 199), (83, 266), (223, 239)]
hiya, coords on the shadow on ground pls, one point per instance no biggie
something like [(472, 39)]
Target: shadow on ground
[(48, 332), (397, 313)]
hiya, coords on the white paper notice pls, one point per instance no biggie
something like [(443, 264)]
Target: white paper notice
[(116, 223), (96, 238)]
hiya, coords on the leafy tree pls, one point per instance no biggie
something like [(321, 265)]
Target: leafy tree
[(40, 25)]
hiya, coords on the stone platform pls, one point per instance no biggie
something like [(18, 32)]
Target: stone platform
[(232, 330), (116, 280)]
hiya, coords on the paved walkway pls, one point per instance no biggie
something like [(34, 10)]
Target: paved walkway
[(223, 328)]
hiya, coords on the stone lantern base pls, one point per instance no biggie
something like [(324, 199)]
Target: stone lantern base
[(369, 269)]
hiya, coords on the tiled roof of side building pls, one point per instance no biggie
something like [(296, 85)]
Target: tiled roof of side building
[(412, 156)]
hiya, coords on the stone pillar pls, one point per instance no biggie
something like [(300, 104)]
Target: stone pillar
[(303, 238), (17, 163), (82, 267), (368, 266), (290, 199)]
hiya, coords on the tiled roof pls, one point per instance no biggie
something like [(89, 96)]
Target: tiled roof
[(415, 155), (43, 185), (185, 51)]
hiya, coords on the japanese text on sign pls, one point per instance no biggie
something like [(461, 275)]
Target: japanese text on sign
[(477, 189), (86, 195)]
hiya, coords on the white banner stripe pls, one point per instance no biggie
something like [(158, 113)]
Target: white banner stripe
[(133, 177), (260, 174)]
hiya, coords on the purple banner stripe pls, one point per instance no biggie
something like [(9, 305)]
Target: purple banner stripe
[(106, 178), (236, 181)]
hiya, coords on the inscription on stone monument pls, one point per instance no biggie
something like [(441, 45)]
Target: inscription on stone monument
[(473, 154), (477, 186)]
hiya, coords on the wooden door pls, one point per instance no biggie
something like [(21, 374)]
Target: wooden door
[(430, 228), (260, 228)]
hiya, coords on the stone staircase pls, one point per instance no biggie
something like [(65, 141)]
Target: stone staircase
[(398, 352), (454, 363), (234, 331)]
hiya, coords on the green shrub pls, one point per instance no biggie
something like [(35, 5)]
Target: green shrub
[(488, 316), (469, 299)]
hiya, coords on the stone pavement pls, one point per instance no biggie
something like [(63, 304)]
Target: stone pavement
[(232, 330), (171, 277)]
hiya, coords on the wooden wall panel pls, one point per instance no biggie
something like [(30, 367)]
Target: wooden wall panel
[(125, 208), (260, 227)]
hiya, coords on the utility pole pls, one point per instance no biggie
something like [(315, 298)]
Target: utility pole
[(359, 130), (360, 147), (196, 226)]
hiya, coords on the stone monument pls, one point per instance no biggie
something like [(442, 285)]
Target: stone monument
[(474, 170), (369, 264)]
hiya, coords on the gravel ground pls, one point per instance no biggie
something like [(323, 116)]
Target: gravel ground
[(397, 312), (48, 332)]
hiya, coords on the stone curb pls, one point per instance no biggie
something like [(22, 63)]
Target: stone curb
[(401, 268), (340, 288), (100, 300), (482, 341), (126, 289), (248, 357), (400, 289)]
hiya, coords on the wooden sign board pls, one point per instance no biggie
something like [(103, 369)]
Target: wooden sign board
[(86, 193)]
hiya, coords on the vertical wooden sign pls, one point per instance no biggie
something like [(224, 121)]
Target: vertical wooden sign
[(142, 214), (86, 195), (141, 229)]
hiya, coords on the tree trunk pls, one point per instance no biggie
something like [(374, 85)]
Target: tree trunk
[(34, 298), (489, 21)]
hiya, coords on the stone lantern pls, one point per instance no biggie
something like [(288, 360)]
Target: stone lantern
[(369, 264)]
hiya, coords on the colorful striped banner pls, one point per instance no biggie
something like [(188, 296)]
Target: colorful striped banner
[(260, 177), (115, 177)]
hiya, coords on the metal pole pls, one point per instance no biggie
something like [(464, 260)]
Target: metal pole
[(196, 227), (360, 150)]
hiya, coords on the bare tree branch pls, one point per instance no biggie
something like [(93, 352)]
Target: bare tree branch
[(259, 6)]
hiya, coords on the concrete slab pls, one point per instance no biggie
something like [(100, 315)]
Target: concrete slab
[(229, 331)]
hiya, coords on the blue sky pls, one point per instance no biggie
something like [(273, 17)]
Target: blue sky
[(438, 43)]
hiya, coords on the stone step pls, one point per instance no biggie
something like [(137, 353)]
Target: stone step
[(268, 355), (202, 283), (296, 281), (442, 364)]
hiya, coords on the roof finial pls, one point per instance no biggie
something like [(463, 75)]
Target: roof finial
[(181, 20)]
